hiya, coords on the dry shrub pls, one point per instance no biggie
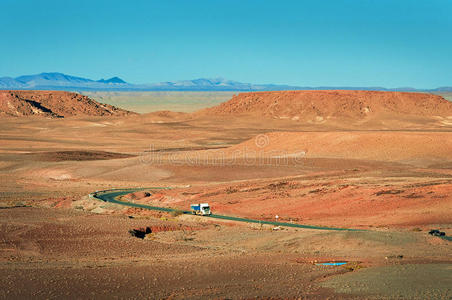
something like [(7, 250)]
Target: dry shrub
[(177, 212)]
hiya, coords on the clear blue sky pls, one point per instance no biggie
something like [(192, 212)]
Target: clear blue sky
[(387, 43)]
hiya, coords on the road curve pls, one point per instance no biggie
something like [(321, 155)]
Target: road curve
[(112, 195)]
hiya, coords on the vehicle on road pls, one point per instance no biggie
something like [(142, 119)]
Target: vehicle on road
[(202, 209)]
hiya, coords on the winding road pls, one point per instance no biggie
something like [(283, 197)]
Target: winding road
[(113, 195)]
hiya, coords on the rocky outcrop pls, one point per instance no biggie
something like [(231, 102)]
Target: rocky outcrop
[(332, 104), (55, 104)]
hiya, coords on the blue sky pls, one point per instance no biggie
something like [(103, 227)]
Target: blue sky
[(389, 43)]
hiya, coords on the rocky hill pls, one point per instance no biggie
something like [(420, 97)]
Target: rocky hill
[(322, 105), (56, 104)]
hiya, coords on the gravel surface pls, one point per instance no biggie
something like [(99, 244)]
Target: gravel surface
[(416, 281)]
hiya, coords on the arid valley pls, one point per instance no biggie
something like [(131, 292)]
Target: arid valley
[(378, 164)]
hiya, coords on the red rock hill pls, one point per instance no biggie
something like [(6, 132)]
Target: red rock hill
[(53, 104), (332, 104)]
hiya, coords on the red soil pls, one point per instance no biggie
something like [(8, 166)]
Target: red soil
[(342, 203), (137, 195), (77, 155), (336, 103), (53, 104), (166, 227), (166, 115), (410, 147)]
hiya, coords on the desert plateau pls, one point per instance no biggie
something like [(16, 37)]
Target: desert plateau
[(343, 188)]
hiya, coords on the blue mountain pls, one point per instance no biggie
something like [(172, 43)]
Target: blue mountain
[(60, 81), (10, 83), (46, 77), (112, 80), (216, 84)]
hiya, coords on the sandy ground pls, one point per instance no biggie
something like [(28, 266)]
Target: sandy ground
[(55, 253), (396, 183), (391, 282)]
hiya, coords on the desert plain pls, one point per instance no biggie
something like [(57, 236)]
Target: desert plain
[(379, 163)]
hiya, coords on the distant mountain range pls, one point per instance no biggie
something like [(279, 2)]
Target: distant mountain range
[(59, 81)]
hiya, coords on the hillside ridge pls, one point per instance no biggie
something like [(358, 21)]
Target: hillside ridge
[(332, 104), (54, 104)]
